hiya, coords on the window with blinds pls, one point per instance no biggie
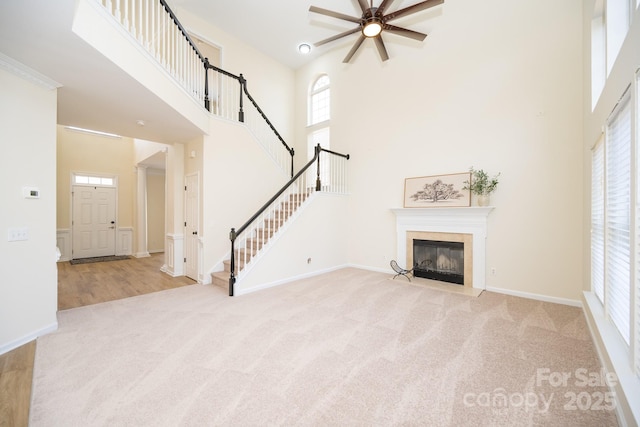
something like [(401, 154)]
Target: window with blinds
[(618, 217), (597, 220), (637, 266)]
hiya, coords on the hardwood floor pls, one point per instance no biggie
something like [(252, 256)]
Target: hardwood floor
[(16, 373), (78, 285), (86, 284)]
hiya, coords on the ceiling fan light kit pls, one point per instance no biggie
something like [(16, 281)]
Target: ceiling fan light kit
[(372, 28), (374, 22)]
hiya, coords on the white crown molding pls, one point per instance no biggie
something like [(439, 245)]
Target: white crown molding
[(19, 69)]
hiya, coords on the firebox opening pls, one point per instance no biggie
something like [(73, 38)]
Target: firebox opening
[(439, 260)]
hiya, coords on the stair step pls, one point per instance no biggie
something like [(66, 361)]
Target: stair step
[(282, 213), (273, 223), (227, 265), (255, 244), (220, 278), (245, 253)]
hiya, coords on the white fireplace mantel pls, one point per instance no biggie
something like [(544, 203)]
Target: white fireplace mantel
[(463, 220)]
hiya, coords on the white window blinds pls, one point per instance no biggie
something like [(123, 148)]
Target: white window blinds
[(636, 332), (617, 218), (597, 220)]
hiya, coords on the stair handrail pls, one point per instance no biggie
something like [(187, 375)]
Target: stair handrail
[(241, 80), (234, 233), (120, 10), (243, 84)]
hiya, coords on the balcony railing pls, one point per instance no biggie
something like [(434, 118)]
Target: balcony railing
[(154, 25)]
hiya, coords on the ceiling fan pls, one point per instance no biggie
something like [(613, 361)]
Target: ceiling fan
[(373, 22)]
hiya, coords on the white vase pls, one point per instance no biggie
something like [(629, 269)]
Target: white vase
[(483, 200)]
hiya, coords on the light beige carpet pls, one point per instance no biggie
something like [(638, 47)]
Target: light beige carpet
[(346, 348)]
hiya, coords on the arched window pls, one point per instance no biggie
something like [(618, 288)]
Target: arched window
[(319, 101)]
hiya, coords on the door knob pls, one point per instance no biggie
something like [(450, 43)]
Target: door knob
[(195, 232)]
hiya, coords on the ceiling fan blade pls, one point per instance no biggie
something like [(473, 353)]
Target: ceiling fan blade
[(383, 6), (333, 14), (353, 49), (404, 32), (337, 36), (363, 5), (412, 9), (381, 49)]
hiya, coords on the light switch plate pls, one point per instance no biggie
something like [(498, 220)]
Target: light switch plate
[(16, 234)]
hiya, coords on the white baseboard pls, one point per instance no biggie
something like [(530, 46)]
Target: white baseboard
[(5, 348), (539, 297), (366, 267), (168, 271), (238, 292)]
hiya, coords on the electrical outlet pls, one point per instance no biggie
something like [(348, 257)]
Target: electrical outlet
[(493, 271), (308, 260), (15, 234)]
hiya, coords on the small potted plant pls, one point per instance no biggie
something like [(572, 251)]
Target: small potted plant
[(482, 185)]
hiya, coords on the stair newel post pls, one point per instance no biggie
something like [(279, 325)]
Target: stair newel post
[(318, 182), (232, 277), (292, 154), (207, 102), (243, 87)]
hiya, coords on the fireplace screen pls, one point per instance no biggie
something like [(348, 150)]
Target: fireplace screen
[(438, 260)]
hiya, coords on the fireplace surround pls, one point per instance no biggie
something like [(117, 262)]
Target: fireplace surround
[(464, 224)]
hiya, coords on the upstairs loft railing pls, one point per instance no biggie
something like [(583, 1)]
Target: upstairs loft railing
[(329, 176), (154, 25)]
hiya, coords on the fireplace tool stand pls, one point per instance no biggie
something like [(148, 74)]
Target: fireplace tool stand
[(400, 271)]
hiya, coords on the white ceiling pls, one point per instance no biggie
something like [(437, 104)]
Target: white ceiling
[(95, 94), (277, 27)]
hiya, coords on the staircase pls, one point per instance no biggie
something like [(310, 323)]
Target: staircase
[(260, 237)]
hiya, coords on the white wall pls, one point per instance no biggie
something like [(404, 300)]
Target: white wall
[(496, 85), (238, 178), (312, 242), (28, 288), (270, 83)]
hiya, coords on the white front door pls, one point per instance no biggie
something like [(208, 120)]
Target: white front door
[(192, 199), (94, 221)]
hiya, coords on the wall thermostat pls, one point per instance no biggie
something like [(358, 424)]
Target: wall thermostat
[(31, 192)]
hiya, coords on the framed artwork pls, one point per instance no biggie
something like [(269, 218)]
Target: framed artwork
[(437, 191)]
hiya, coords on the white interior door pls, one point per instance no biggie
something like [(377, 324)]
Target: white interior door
[(192, 203), (94, 221)]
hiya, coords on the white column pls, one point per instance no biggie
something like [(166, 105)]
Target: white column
[(141, 209)]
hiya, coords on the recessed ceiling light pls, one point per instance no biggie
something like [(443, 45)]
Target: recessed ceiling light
[(304, 48)]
